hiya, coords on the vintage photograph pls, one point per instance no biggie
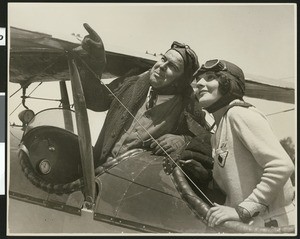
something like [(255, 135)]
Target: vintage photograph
[(151, 119)]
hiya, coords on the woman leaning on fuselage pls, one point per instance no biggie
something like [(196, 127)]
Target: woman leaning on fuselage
[(250, 165)]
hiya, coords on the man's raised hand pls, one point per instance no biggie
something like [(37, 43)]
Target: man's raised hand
[(92, 43)]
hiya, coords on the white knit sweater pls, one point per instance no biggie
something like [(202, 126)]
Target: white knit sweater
[(251, 166)]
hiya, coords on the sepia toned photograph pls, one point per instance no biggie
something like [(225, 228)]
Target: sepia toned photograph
[(151, 119)]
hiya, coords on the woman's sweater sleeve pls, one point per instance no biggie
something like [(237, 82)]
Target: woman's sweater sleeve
[(257, 136)]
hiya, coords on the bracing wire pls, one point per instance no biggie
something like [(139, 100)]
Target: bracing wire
[(39, 98), (28, 95), (279, 112), (18, 90), (137, 121)]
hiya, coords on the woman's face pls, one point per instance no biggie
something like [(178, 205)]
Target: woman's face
[(207, 89)]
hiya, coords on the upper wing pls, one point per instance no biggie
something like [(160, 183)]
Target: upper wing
[(40, 57), (270, 92), (37, 57)]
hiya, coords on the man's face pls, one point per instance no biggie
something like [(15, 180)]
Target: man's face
[(207, 89), (167, 69)]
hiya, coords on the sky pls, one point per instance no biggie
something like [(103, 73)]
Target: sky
[(261, 39)]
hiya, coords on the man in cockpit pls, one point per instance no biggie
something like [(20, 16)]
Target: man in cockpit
[(156, 102)]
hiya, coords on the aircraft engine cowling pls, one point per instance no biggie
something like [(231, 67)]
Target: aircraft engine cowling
[(50, 158)]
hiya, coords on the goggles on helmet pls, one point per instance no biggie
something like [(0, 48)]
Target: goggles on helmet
[(215, 65), (187, 48)]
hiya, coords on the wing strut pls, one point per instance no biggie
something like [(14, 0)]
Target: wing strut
[(84, 136)]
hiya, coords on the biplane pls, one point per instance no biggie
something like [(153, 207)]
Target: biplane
[(53, 189)]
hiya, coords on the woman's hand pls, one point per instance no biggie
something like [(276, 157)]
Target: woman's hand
[(220, 213)]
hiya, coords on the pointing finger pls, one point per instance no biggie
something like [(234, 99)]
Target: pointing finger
[(94, 35), (89, 29)]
